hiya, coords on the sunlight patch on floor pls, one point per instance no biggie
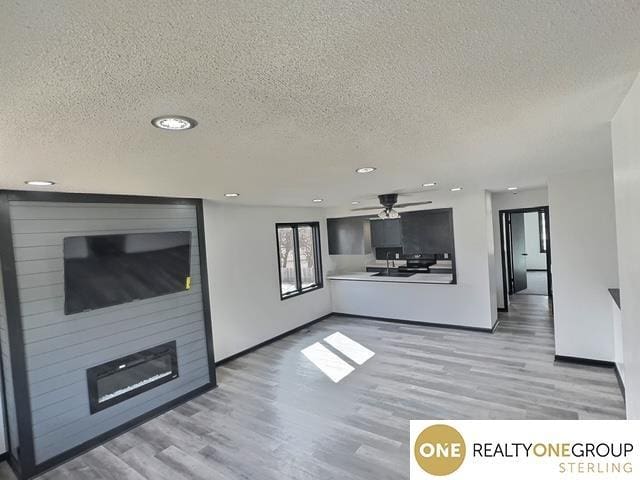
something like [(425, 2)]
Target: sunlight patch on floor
[(330, 363), (349, 348)]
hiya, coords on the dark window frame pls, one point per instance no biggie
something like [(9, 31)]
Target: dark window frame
[(317, 247), (542, 233)]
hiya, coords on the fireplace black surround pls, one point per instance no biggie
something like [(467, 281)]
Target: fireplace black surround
[(48, 412), (115, 381)]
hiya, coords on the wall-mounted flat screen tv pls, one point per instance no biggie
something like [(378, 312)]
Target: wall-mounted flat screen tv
[(105, 270)]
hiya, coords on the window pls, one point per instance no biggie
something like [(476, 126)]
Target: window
[(299, 262), (542, 228)]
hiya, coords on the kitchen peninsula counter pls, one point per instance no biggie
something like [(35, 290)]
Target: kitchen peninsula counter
[(439, 278)]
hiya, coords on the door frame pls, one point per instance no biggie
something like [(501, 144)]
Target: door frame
[(507, 257)]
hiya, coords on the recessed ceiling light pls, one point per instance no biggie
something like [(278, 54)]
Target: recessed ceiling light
[(174, 122), (430, 184), (40, 183), (231, 195), (456, 189), (355, 203), (317, 200), (366, 170), (512, 188)]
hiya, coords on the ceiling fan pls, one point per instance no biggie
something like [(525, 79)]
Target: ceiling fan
[(388, 202)]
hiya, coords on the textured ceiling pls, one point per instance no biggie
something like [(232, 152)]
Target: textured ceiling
[(291, 97)]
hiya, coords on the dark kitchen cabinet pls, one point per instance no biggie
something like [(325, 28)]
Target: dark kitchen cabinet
[(427, 231), (349, 236), (386, 233)]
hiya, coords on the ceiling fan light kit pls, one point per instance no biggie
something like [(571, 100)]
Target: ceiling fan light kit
[(388, 213)]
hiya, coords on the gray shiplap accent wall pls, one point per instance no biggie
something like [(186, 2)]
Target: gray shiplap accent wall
[(60, 348), (12, 426)]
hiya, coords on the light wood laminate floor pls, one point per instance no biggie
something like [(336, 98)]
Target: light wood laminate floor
[(276, 416)]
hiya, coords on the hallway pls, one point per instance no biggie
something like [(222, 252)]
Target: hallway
[(536, 283)]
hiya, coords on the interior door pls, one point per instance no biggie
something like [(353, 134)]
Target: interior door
[(518, 252)]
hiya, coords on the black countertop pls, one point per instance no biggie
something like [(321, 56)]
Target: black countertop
[(615, 293)]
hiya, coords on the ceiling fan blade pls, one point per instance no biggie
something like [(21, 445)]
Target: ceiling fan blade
[(411, 204), (409, 191), (379, 207)]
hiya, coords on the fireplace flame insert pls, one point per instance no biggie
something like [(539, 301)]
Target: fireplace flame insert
[(123, 378)]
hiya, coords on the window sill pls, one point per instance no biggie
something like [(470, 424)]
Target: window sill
[(301, 292)]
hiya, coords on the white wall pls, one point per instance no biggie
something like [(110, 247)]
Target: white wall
[(536, 197), (618, 339), (625, 133), (491, 257), (535, 259), (243, 276), (468, 303), (584, 262)]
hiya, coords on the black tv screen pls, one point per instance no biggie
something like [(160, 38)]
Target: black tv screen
[(105, 270)]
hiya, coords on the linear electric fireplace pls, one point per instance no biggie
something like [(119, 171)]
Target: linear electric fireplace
[(126, 377)]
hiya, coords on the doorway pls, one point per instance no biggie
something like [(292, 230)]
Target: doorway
[(526, 253)]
